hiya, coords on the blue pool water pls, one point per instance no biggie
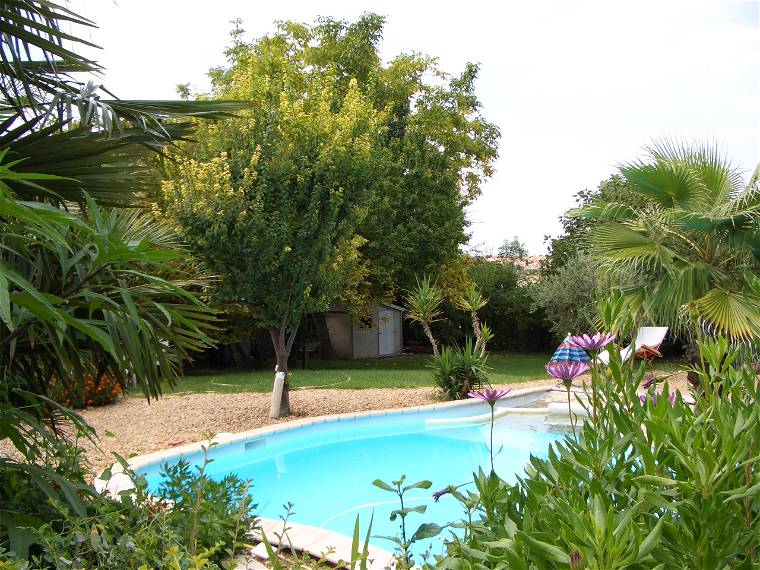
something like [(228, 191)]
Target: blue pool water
[(326, 470)]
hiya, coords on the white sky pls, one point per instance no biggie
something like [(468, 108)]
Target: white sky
[(576, 87)]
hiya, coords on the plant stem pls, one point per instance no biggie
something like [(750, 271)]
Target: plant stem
[(570, 410), (491, 447)]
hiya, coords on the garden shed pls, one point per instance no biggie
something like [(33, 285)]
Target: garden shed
[(380, 335)]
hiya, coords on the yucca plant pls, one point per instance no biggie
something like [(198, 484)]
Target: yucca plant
[(459, 370), (687, 254), (471, 301), (423, 304)]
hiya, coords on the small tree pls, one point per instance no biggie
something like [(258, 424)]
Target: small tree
[(472, 300), (423, 305), (513, 248)]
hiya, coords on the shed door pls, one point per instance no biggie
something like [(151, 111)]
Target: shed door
[(386, 344)]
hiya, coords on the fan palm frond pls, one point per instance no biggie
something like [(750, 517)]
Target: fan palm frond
[(690, 246)]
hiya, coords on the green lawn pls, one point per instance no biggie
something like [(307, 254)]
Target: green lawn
[(401, 372)]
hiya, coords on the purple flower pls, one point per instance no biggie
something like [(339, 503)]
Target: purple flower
[(490, 396), (596, 342), (576, 560), (649, 380), (654, 396), (438, 494), (566, 371)]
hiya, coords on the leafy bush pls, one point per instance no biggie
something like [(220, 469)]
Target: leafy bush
[(199, 523), (566, 296), (85, 391), (458, 370), (651, 482), (204, 511), (509, 311)]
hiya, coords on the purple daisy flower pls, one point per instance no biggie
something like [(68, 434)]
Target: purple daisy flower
[(596, 342), (438, 494), (490, 396), (567, 371)]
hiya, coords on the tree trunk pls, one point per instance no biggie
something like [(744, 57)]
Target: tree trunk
[(431, 338), (692, 357), (476, 330), (282, 348)]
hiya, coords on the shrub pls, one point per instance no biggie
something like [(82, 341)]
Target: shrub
[(198, 524), (650, 482), (567, 295), (458, 370), (509, 312), (83, 391)]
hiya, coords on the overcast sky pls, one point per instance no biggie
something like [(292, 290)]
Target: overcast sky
[(575, 87)]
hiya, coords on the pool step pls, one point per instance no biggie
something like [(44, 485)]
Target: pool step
[(318, 542)]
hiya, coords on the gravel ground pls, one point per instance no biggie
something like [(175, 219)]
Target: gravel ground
[(140, 427)]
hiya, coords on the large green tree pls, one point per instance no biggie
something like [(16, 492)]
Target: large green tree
[(439, 149), (271, 200), (346, 179), (686, 253)]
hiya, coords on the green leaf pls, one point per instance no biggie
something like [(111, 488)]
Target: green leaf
[(418, 485), (543, 549), (655, 480), (426, 530), (383, 485), (652, 540)]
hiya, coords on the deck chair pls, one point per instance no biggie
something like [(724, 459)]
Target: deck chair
[(647, 345)]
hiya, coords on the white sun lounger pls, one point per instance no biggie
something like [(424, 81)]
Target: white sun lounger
[(650, 337)]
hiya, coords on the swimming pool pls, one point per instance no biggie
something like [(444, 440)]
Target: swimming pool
[(326, 469)]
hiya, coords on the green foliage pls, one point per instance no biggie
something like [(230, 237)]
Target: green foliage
[(79, 295), (426, 530), (513, 248), (205, 525), (567, 296), (459, 370), (206, 512), (509, 312), (283, 555), (684, 253), (574, 240), (436, 149), (649, 483), (54, 123), (423, 306), (83, 290), (271, 201)]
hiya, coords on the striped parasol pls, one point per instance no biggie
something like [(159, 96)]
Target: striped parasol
[(568, 352)]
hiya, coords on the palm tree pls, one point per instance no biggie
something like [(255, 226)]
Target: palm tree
[(687, 252), (55, 120), (83, 289)]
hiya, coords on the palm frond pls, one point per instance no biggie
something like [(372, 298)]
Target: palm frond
[(734, 314), (618, 243)]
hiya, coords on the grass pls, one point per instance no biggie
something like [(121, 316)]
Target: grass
[(401, 372)]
